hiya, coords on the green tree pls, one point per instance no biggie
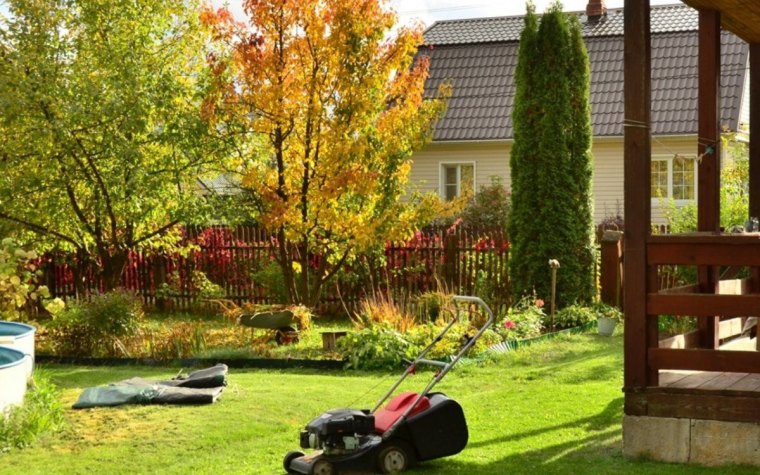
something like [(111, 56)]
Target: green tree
[(551, 165), (734, 191), (340, 102), (99, 114)]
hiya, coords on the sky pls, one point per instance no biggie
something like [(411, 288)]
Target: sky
[(429, 11)]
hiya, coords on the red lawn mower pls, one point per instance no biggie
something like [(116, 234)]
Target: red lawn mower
[(412, 427)]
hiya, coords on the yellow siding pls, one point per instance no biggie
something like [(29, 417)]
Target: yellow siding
[(490, 158), (493, 159)]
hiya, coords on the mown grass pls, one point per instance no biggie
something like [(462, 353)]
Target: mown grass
[(554, 407)]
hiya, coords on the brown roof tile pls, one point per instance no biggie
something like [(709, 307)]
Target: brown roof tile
[(479, 58)]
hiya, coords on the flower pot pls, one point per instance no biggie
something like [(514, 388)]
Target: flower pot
[(606, 325)]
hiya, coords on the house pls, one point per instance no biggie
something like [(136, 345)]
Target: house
[(473, 140)]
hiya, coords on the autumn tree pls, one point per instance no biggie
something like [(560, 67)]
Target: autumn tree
[(339, 99), (551, 164), (99, 114)]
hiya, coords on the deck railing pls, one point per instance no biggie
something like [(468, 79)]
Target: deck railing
[(708, 252)]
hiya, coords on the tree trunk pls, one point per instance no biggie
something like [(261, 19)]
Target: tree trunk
[(112, 266), (82, 262), (286, 265)]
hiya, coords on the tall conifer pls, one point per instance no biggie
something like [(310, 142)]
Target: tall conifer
[(551, 163)]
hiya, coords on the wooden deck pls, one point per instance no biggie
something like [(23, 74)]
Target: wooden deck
[(712, 395), (710, 380), (715, 380)]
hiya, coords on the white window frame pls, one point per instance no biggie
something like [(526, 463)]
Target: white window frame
[(669, 160), (442, 176)]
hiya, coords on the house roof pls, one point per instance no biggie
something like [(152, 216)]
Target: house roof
[(479, 57)]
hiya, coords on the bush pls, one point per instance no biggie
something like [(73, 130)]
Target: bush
[(524, 320), (386, 348), (452, 342), (489, 208), (430, 305), (602, 310), (18, 273), (183, 340), (381, 310), (374, 348), (271, 278), (84, 327), (198, 287), (574, 316), (41, 413)]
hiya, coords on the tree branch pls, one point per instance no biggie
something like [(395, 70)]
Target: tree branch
[(40, 229), (155, 233)]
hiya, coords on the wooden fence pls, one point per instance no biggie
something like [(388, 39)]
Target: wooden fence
[(611, 244), (456, 259)]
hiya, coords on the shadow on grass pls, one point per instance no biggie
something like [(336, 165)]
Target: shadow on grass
[(606, 365), (600, 451), (608, 418)]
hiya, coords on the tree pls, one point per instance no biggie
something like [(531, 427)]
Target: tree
[(551, 216), (99, 114), (340, 103)]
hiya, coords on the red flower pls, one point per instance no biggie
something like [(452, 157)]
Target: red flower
[(509, 324), (539, 303)]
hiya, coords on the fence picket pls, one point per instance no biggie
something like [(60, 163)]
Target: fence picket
[(228, 257)]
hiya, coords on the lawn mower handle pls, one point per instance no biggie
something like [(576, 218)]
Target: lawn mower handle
[(445, 367)]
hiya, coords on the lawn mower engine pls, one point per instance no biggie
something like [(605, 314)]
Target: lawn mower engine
[(339, 431)]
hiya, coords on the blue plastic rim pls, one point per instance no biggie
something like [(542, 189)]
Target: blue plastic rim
[(10, 357), (16, 329)]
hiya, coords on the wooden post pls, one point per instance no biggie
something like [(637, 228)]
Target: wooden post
[(554, 265), (610, 277), (638, 150), (449, 261), (754, 146), (708, 203), (754, 130)]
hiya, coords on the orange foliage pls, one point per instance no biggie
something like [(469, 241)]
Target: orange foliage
[(340, 101)]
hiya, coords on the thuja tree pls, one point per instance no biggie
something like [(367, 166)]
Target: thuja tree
[(339, 99), (102, 138), (551, 164)]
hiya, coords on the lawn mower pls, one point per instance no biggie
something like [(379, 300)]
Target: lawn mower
[(412, 427)]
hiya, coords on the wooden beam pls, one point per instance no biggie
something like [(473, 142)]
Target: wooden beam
[(708, 179), (689, 404), (754, 130), (705, 305), (609, 269), (705, 360), (702, 254), (637, 201)]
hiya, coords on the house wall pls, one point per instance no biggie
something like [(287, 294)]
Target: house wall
[(492, 158), (744, 112)]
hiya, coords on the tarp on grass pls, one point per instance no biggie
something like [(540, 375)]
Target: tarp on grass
[(199, 387)]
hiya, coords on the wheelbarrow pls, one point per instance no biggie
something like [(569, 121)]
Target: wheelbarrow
[(279, 321)]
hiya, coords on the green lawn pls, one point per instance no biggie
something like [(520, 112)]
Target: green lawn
[(553, 407)]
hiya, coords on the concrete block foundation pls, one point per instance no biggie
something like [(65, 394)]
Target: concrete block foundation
[(698, 441)]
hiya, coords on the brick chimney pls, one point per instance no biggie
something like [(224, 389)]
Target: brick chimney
[(595, 9)]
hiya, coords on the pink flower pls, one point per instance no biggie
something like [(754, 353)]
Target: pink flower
[(509, 324), (539, 303)]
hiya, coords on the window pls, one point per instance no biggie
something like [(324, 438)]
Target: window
[(674, 177), (456, 179)]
